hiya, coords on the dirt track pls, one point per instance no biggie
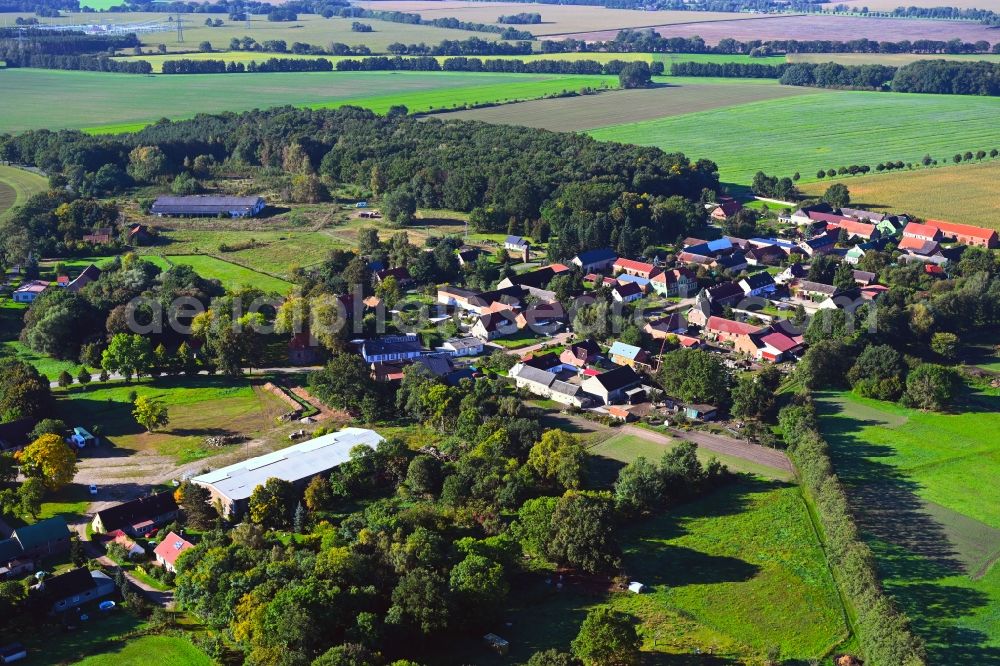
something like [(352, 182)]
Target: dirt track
[(724, 445)]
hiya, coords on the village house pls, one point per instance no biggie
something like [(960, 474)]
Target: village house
[(493, 325), (400, 273), (391, 348), (712, 248), (734, 262), (767, 255), (542, 318), (659, 329), (863, 215), (455, 296), (918, 246), (857, 229), (546, 384), (74, 588), (169, 548), (29, 291), (207, 205), (693, 259), (822, 244), (726, 330), (132, 549), (580, 354), (758, 284), (623, 354), (470, 346), (30, 542), (723, 294), (138, 235), (922, 232), (100, 236), (595, 261), (516, 244), (626, 292), (468, 255), (636, 268), (645, 285), (302, 350), (497, 300), (701, 412), (863, 278), (793, 272), (680, 282), (614, 386), (813, 290), (137, 517), (86, 276), (535, 282), (726, 209), (15, 435), (769, 344)]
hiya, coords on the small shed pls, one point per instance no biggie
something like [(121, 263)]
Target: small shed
[(636, 587), (497, 644), (701, 412)]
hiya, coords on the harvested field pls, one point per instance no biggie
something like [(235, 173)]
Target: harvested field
[(930, 192), (555, 18), (626, 106), (814, 27)]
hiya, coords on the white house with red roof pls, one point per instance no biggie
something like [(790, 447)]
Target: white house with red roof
[(637, 268), (727, 330), (169, 549), (924, 232)]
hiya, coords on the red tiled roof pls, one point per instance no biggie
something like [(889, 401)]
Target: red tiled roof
[(729, 326), (962, 229), (688, 341), (559, 268), (859, 228), (781, 341), (828, 217), (917, 229), (910, 243), (630, 265), (172, 546)]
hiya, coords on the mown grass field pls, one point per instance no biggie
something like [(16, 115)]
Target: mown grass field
[(172, 650), (198, 407), (608, 456), (117, 102), (16, 185), (49, 646), (892, 59), (824, 130), (232, 276), (923, 486), (965, 193), (678, 96)]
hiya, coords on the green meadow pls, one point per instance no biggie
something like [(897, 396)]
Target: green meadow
[(923, 487), (232, 276), (823, 130), (120, 102), (16, 185), (174, 650)]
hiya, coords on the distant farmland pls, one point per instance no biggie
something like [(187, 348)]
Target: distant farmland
[(968, 193), (893, 59), (35, 98), (811, 27), (824, 130), (682, 96)]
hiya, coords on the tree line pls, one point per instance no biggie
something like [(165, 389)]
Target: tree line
[(470, 46), (513, 66), (985, 16), (521, 18), (946, 77), (736, 70), (441, 22), (646, 40), (188, 66), (81, 63)]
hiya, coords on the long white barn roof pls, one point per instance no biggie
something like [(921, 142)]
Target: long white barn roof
[(299, 461)]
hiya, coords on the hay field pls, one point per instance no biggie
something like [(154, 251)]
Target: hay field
[(967, 193), (52, 99), (923, 488), (556, 19), (824, 130), (629, 106)]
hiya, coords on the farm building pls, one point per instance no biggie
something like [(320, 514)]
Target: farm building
[(966, 233), (138, 516), (88, 275), (546, 384), (462, 347), (233, 484), (614, 385), (594, 261), (391, 348), (207, 205), (75, 587)]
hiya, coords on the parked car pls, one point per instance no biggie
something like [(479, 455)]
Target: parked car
[(93, 489)]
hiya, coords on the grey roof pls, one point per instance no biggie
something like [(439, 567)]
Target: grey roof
[(817, 287), (515, 240), (464, 343), (758, 280), (565, 388), (596, 256), (618, 378), (865, 276), (297, 462), (204, 204), (860, 214), (394, 344), (526, 372)]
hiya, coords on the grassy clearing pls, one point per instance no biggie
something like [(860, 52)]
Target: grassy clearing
[(959, 193), (736, 574), (681, 96), (114, 102), (48, 366), (51, 644), (198, 407), (922, 486), (16, 185), (830, 130), (609, 456), (232, 276), (172, 650)]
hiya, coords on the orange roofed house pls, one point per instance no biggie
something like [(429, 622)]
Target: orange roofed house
[(966, 233), (169, 549)]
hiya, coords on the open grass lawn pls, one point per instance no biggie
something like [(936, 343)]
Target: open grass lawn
[(675, 96), (823, 130), (965, 193), (609, 456), (232, 276), (16, 185), (51, 644), (520, 339), (197, 406), (173, 650), (923, 486), (46, 365), (113, 102)]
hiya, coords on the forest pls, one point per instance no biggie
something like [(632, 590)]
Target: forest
[(941, 77)]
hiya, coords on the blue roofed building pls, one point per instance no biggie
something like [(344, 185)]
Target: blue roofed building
[(595, 261), (630, 355)]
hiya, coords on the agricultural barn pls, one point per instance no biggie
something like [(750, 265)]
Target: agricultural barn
[(204, 205), (233, 484)]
